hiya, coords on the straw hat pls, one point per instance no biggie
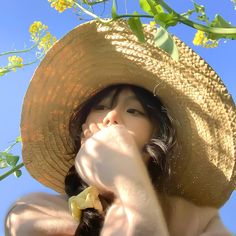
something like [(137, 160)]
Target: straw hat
[(93, 56)]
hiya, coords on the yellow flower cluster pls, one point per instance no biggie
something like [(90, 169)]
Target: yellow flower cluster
[(201, 39), (36, 29), (61, 5), (41, 36), (14, 62), (46, 42)]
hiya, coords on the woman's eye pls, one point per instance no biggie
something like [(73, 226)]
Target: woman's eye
[(135, 111)]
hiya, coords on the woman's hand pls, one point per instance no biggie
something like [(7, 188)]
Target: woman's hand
[(111, 161), (107, 154), (90, 130)]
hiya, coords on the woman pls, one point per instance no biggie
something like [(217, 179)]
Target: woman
[(149, 159), (128, 108)]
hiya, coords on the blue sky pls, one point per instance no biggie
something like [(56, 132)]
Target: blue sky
[(15, 19)]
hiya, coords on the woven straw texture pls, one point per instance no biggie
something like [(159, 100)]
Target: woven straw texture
[(93, 56)]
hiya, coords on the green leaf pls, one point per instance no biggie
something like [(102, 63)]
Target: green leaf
[(166, 20), (18, 173), (188, 13), (4, 154), (199, 8), (164, 41), (203, 18), (12, 160), (3, 163), (114, 9), (151, 7), (137, 28), (219, 22), (9, 159)]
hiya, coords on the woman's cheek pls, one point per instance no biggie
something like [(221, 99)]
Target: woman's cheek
[(94, 117)]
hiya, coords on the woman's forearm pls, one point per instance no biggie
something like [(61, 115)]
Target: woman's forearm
[(141, 206)]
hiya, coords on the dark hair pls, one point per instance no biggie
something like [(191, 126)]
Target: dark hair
[(159, 149)]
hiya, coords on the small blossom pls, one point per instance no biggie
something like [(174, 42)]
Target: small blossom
[(14, 62), (36, 29), (152, 23), (46, 42), (201, 39), (61, 5)]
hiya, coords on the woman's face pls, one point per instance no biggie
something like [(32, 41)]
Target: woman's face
[(125, 110)]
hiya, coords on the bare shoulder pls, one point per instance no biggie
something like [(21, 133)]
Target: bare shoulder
[(44, 199), (39, 213), (215, 227), (186, 218)]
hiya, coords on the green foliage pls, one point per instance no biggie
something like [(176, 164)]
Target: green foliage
[(151, 7), (200, 10), (18, 173), (114, 10), (164, 41), (220, 22), (9, 160), (137, 28), (166, 19), (93, 2), (42, 40)]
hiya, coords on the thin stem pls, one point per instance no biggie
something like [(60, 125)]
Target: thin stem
[(11, 146), (5, 71), (166, 6), (184, 20), (10, 68), (90, 13), (19, 51), (11, 171), (93, 3), (32, 62), (126, 11), (208, 29), (130, 15), (190, 12)]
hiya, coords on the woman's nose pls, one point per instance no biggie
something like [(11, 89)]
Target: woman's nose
[(111, 118)]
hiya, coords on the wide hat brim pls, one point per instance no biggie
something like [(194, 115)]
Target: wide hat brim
[(94, 56)]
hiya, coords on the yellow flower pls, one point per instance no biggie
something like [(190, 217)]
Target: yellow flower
[(14, 62), (152, 23), (61, 5), (46, 42), (36, 29), (201, 39)]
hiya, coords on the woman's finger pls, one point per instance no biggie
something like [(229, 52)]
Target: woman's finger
[(93, 128), (87, 133)]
